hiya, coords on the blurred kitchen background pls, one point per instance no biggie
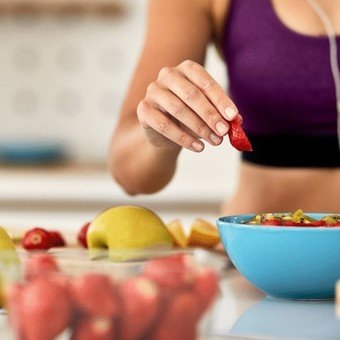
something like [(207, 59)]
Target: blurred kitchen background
[(64, 69)]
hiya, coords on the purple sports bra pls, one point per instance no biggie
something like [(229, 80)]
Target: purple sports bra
[(282, 83)]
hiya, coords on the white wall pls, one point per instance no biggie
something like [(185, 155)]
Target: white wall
[(64, 79)]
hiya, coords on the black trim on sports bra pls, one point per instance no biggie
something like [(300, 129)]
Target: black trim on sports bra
[(294, 151)]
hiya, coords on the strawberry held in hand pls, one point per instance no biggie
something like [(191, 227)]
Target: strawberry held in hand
[(238, 138)]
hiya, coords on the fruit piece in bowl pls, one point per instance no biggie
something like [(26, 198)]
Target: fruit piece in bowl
[(292, 262), (296, 219)]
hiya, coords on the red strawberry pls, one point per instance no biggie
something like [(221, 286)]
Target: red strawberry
[(141, 302), (95, 294), (302, 224), (273, 222), (58, 239), (171, 273), (14, 306), (316, 224), (37, 238), (206, 287), (82, 234), (294, 224), (239, 119), (93, 328), (179, 320), (46, 309), (40, 265), (238, 138)]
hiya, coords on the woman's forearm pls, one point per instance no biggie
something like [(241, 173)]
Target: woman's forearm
[(139, 166), (172, 102)]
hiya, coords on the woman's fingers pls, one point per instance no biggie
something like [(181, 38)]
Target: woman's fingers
[(198, 76), (185, 104), (150, 117), (193, 97), (171, 104)]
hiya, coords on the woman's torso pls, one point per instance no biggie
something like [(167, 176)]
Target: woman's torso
[(283, 101)]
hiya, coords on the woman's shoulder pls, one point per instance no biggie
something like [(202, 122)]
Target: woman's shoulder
[(215, 10)]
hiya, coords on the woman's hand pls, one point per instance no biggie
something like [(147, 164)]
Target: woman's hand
[(185, 104)]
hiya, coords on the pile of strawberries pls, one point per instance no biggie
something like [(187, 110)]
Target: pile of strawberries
[(165, 302)]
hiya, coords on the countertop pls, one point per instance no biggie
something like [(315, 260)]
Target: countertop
[(241, 310), (92, 184)]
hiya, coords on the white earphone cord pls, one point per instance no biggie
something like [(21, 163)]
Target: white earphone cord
[(333, 55)]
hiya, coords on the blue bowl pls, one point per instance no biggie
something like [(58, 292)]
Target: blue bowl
[(284, 262)]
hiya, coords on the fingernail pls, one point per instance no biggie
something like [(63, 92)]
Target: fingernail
[(230, 113), (197, 146), (221, 128), (215, 139)]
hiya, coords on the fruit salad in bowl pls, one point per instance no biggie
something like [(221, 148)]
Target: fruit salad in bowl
[(296, 219), (286, 255), (67, 297)]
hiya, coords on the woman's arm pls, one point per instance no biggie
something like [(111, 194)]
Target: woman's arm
[(151, 131)]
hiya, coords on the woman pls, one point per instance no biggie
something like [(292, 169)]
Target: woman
[(277, 54)]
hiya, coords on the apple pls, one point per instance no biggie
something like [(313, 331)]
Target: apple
[(8, 257), (127, 228), (5, 241)]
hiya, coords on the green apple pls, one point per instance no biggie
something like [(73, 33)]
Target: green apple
[(127, 229), (8, 258)]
